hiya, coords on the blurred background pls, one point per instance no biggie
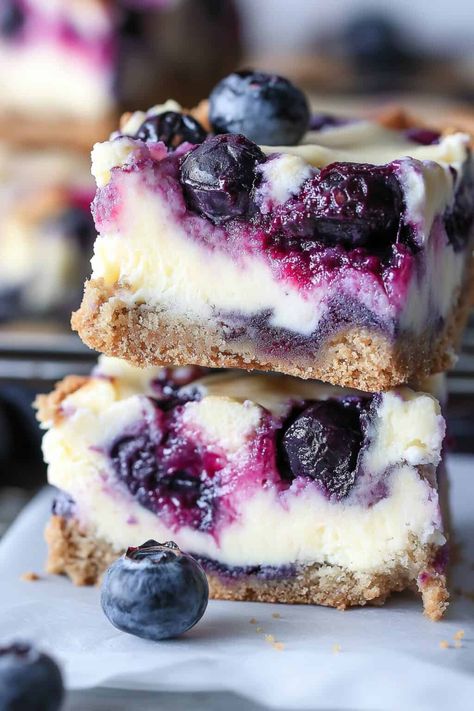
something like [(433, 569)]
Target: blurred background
[(68, 68)]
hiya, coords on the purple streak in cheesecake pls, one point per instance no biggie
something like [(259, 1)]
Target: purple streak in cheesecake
[(262, 572), (188, 481)]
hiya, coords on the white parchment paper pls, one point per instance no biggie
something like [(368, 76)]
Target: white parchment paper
[(374, 658)]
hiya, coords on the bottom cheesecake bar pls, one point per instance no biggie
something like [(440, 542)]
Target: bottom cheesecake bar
[(285, 490)]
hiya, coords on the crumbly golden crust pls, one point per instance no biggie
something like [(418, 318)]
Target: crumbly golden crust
[(355, 357), (75, 552), (48, 406)]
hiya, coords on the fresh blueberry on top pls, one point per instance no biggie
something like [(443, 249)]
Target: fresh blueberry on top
[(219, 175), (155, 591), (323, 443), (12, 18), (353, 204), (29, 680), (266, 108), (172, 128)]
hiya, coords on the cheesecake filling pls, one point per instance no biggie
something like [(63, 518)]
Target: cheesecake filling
[(158, 251), (223, 465)]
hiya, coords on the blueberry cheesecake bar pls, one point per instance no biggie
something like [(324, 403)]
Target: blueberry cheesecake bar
[(46, 232), (250, 240), (70, 65), (285, 490)]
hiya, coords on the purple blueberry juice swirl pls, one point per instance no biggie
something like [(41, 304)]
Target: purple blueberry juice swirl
[(187, 481)]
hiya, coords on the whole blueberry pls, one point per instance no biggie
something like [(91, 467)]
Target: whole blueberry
[(12, 18), (29, 680), (155, 591), (266, 108), (172, 128), (218, 177), (323, 444), (354, 204)]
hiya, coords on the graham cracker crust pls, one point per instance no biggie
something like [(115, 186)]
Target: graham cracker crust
[(355, 357), (84, 558)]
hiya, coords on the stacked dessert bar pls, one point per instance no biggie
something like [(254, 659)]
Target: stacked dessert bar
[(273, 303)]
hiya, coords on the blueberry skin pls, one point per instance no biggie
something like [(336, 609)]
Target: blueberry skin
[(323, 443), (155, 591), (29, 680), (172, 128), (266, 108), (218, 177)]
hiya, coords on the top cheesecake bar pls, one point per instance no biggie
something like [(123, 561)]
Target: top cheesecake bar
[(263, 238)]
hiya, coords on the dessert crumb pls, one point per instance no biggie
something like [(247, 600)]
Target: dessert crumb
[(444, 644), (259, 629), (276, 615), (279, 646), (30, 576), (253, 621), (336, 648), (459, 635), (458, 644), (269, 638)]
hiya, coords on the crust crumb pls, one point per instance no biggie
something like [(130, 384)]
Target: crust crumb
[(30, 577), (276, 616), (279, 646), (48, 407), (253, 621), (459, 634), (444, 644)]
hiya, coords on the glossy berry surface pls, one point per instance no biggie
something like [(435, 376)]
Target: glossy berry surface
[(218, 177), (266, 108), (155, 591), (29, 680), (172, 128), (349, 204), (322, 444), (11, 18)]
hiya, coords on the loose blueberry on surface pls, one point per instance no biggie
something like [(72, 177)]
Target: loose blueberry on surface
[(155, 591), (11, 18), (219, 175), (29, 680), (266, 108), (352, 204), (323, 443), (172, 128)]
